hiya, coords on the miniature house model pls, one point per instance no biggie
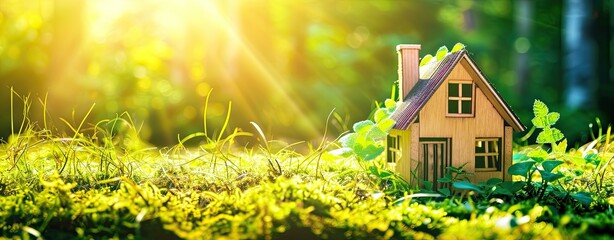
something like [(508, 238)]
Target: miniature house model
[(449, 115)]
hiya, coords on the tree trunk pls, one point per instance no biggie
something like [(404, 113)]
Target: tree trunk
[(579, 55), (524, 14)]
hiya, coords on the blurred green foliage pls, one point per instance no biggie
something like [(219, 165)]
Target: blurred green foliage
[(283, 64)]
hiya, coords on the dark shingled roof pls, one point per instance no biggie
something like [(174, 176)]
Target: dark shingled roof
[(424, 89), (432, 75)]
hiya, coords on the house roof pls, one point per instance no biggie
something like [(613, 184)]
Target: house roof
[(433, 74)]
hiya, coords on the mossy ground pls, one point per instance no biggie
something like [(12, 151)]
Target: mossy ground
[(103, 182)]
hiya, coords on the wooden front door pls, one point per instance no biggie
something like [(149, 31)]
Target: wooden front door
[(436, 156)]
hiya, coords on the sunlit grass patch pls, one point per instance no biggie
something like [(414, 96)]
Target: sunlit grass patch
[(102, 181)]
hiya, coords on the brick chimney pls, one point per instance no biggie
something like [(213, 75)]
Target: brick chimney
[(408, 68)]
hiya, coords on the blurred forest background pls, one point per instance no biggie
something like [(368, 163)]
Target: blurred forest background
[(286, 64)]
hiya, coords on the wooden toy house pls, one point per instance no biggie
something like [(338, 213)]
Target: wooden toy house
[(449, 115)]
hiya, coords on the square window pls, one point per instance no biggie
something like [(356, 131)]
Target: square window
[(453, 90), (466, 106), (480, 162), (460, 98), (467, 90), (480, 147), (488, 154), (452, 106)]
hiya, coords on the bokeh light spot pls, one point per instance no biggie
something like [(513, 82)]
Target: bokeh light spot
[(35, 21), (197, 72), (140, 72), (164, 87), (144, 83), (357, 37), (522, 45), (202, 89), (189, 112)]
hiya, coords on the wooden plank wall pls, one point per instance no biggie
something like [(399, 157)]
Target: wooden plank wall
[(486, 123)]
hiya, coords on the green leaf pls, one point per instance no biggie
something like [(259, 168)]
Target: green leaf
[(592, 158), (370, 152), (390, 104), (376, 134), (374, 170), (380, 114), (426, 59), (428, 185), (363, 126), (553, 117), (358, 148), (557, 135), (493, 181), (540, 109), (582, 197), (577, 160), (441, 53), (342, 152), (464, 185), (549, 165), (560, 194), (561, 147), (544, 137), (454, 169), (550, 177), (538, 153), (444, 180), (386, 124), (500, 190), (521, 168), (383, 173), (513, 186), (444, 191), (539, 122), (519, 156), (348, 140), (457, 47)]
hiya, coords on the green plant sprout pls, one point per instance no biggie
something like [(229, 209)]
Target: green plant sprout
[(537, 164), (366, 143)]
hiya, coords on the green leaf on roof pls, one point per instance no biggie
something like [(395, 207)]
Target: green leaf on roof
[(386, 124), (363, 126), (390, 104), (457, 47), (441, 53), (426, 59), (380, 114)]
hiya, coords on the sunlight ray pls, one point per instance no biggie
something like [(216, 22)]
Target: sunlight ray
[(267, 72)]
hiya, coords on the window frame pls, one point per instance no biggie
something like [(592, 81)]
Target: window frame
[(393, 153), (492, 160), (460, 98)]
